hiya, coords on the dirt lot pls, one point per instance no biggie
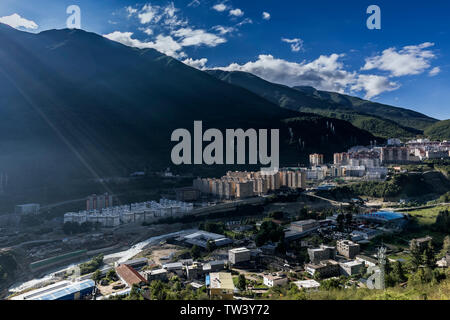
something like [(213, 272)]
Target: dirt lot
[(158, 252), (106, 290)]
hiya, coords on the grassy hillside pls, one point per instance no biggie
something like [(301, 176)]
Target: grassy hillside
[(404, 117), (434, 291), (411, 185), (378, 126), (439, 130), (307, 99)]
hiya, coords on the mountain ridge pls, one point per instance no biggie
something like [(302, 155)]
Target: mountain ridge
[(308, 99)]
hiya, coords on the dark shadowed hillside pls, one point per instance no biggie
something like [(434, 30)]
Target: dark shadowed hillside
[(76, 106)]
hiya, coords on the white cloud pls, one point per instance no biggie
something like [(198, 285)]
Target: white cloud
[(164, 44), (160, 16), (148, 14), (223, 30), (194, 3), (236, 12), (131, 11), (434, 71), (147, 31), (169, 34), (220, 7), (266, 15), (325, 73), (185, 37), (198, 63), (245, 21), (190, 37), (296, 44), (409, 60), (16, 21), (373, 85)]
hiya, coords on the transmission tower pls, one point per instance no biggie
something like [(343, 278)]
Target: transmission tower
[(382, 263)]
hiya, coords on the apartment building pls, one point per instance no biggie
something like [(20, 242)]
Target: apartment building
[(347, 248)]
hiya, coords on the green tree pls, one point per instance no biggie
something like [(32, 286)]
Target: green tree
[(242, 282), (158, 291), (348, 220), (211, 246), (278, 215), (428, 257), (97, 275), (398, 274), (340, 221), (442, 223), (416, 255), (111, 275), (135, 293), (195, 252), (329, 284), (446, 245)]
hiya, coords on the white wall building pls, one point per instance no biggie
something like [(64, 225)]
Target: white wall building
[(133, 213)]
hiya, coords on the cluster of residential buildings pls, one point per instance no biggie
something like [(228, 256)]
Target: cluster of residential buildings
[(330, 261), (422, 149), (131, 213), (368, 163), (243, 184)]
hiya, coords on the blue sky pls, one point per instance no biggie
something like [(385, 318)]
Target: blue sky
[(325, 43)]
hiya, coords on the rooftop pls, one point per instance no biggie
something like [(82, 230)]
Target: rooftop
[(221, 280), (274, 277), (307, 284), (129, 275), (351, 263), (239, 250), (158, 271), (304, 222), (174, 265), (56, 291), (384, 215)]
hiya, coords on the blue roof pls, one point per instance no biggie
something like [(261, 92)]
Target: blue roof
[(66, 291), (386, 215)]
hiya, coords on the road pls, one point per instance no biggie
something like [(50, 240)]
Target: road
[(333, 202)]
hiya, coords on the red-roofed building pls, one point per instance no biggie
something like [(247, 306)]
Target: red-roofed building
[(129, 275)]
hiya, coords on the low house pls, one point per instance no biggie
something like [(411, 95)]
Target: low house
[(135, 263), (158, 274), (368, 261), (323, 253), (175, 267), (194, 271), (325, 269), (351, 268), (274, 280), (347, 248), (304, 225), (220, 285), (213, 266), (307, 285), (238, 255), (422, 243), (365, 234), (444, 262), (129, 275)]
